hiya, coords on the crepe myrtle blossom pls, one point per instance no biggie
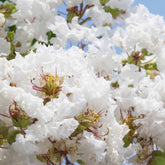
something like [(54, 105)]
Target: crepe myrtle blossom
[(81, 81)]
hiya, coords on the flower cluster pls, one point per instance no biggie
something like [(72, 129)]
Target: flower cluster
[(86, 88)]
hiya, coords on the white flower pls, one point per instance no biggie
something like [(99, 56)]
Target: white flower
[(92, 149), (149, 28), (2, 19), (120, 4), (72, 3), (99, 16), (5, 47)]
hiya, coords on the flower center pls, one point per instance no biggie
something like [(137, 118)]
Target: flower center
[(51, 87)]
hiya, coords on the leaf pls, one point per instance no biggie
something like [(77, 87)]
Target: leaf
[(33, 42), (81, 162), (103, 2), (41, 158), (158, 158), (148, 72), (70, 15), (12, 136), (158, 153), (18, 44), (1, 140), (10, 8), (22, 123), (20, 118), (50, 35), (154, 64), (11, 35), (115, 84), (130, 85), (124, 61), (2, 0), (127, 141), (114, 12), (158, 161), (12, 28), (151, 66), (131, 60), (3, 131), (145, 52)]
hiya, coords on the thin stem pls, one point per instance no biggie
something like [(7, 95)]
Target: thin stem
[(61, 12), (4, 147), (4, 115), (64, 2)]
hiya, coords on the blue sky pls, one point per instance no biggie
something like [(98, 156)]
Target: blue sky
[(154, 6)]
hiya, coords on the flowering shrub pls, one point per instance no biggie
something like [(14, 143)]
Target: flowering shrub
[(81, 81)]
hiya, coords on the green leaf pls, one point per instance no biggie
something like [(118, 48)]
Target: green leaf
[(11, 35), (35, 50), (151, 66), (148, 72), (158, 153), (154, 65), (106, 24), (131, 60), (22, 123), (114, 12), (70, 15), (158, 161), (142, 58), (145, 52), (81, 162), (12, 136), (2, 0), (11, 56), (124, 61), (33, 42), (127, 141), (115, 84), (103, 2), (18, 44), (50, 35), (158, 158), (19, 118), (130, 85), (12, 28), (10, 8), (1, 140), (3, 131), (41, 158)]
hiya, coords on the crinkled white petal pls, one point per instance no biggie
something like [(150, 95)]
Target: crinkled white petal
[(5, 47)]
